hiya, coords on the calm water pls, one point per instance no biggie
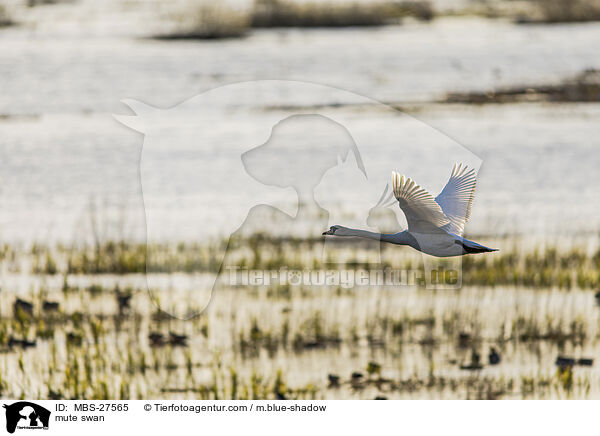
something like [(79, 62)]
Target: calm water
[(62, 151)]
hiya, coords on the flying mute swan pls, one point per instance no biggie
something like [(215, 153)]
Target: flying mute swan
[(435, 225)]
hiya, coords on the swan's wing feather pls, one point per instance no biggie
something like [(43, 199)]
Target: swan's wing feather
[(456, 199), (423, 214)]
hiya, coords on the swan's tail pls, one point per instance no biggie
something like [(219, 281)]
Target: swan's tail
[(471, 247)]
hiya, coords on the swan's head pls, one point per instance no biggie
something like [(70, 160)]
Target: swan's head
[(336, 230)]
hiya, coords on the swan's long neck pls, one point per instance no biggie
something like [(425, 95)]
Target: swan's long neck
[(359, 233), (401, 238)]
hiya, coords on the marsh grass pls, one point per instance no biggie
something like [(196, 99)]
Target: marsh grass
[(5, 18), (534, 11), (544, 266), (214, 20), (208, 20), (584, 87), (408, 344), (530, 302), (287, 13), (564, 11)]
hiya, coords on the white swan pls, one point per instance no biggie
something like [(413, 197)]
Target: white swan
[(435, 226)]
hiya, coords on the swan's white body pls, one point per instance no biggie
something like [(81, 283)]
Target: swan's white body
[(435, 225)]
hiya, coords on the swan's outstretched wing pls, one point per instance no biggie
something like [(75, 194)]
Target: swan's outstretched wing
[(456, 199), (423, 214)]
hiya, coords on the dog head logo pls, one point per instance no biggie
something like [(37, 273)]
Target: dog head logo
[(26, 415), (234, 158)]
